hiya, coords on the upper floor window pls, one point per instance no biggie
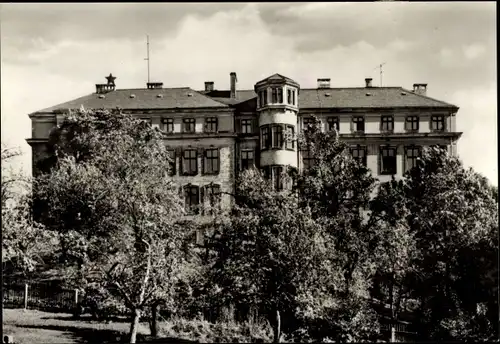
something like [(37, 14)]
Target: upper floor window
[(359, 123), (189, 125), (211, 162), (277, 132), (263, 97), (247, 159), (191, 199), (307, 159), (359, 154), (190, 162), (307, 121), (289, 96), (246, 126), (388, 163), (411, 123), (387, 123), (277, 95), (412, 153), (171, 155), (277, 177), (290, 139), (168, 125), (437, 123), (333, 123), (265, 138), (211, 125), (212, 196), (147, 120)]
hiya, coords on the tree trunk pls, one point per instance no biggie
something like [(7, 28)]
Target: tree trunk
[(277, 327), (134, 326), (154, 320)]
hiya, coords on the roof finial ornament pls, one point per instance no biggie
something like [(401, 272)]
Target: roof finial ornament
[(111, 79)]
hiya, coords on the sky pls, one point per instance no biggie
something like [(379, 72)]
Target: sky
[(53, 53)]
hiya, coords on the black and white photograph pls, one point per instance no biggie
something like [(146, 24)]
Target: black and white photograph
[(235, 172)]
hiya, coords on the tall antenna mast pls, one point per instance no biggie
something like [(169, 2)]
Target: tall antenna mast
[(147, 58), (381, 72)]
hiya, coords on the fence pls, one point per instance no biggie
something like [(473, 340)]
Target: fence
[(39, 295)]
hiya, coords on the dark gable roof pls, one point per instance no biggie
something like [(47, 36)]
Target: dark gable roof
[(348, 97), (185, 97), (171, 98)]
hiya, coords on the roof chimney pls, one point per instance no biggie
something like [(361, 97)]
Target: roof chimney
[(420, 89), (324, 83), (368, 82), (234, 80), (154, 85), (209, 86)]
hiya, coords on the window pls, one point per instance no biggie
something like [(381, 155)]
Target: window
[(289, 137), (211, 163), (211, 125), (307, 159), (147, 120), (191, 199), (277, 172), (189, 125), (307, 121), (412, 155), (387, 123), (293, 97), (289, 96), (280, 95), (437, 123), (168, 125), (265, 138), (190, 162), (333, 123), (359, 123), (212, 197), (411, 123), (171, 155), (388, 160), (359, 154), (263, 98), (277, 132), (247, 159), (246, 126)]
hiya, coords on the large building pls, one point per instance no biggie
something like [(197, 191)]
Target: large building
[(214, 133)]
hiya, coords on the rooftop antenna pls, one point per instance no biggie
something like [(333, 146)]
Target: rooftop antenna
[(147, 58), (380, 68)]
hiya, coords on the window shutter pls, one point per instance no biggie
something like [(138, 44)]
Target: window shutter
[(181, 162), (202, 199), (380, 160), (352, 124), (237, 123), (218, 160), (203, 162)]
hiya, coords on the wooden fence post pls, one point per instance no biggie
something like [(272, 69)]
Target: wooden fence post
[(25, 295)]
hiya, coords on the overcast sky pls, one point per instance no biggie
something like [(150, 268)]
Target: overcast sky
[(52, 53)]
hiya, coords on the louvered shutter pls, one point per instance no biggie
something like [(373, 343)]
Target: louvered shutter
[(202, 199)]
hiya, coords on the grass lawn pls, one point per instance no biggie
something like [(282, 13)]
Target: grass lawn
[(31, 326)]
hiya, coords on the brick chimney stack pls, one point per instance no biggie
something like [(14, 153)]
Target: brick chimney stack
[(420, 89), (209, 86), (234, 80), (368, 82)]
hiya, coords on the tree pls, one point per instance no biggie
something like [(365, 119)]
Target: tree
[(454, 219), (116, 209), (24, 241), (271, 254), (338, 188)]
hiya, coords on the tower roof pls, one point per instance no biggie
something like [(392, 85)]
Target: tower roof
[(277, 79)]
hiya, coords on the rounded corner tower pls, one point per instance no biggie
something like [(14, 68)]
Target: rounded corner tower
[(277, 108)]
